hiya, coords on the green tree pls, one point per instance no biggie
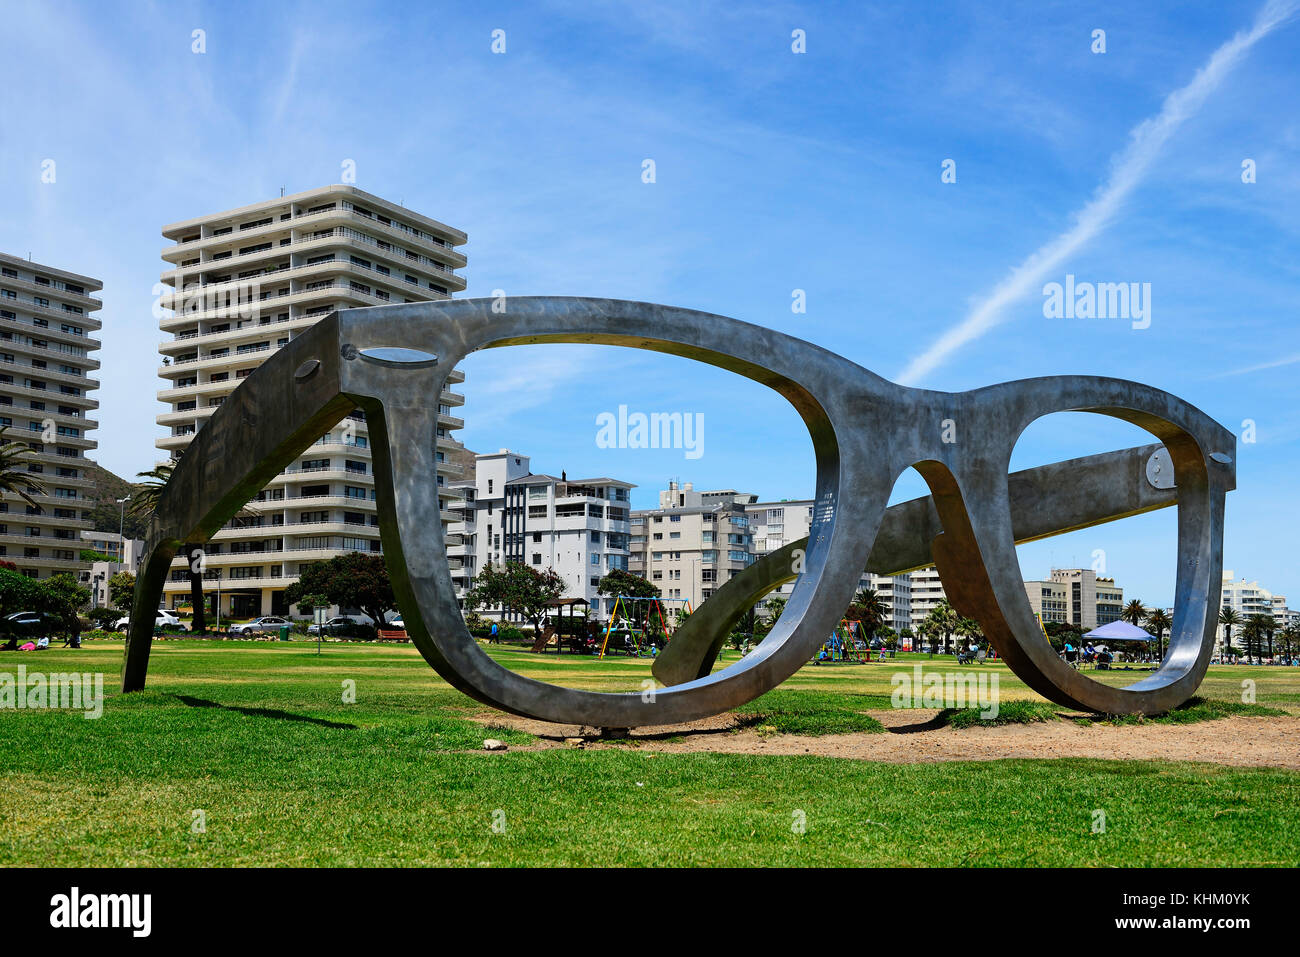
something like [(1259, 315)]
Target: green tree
[(969, 630), (14, 477), (1289, 639), (1134, 613), (144, 502), (351, 580), (59, 596), (944, 619), (518, 588), (775, 608), (1257, 630), (121, 591), (1158, 621), (1060, 633), (65, 597), (1229, 619), (868, 608), (620, 582)]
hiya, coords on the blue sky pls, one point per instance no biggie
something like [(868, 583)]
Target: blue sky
[(775, 171)]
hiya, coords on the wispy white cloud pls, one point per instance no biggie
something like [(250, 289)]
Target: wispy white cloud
[(1127, 169), (1261, 367)]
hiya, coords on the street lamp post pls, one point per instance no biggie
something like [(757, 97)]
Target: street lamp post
[(121, 525)]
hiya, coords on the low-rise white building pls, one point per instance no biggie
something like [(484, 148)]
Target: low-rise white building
[(578, 527)]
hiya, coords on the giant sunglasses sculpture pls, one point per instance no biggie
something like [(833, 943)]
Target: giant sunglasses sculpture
[(392, 362)]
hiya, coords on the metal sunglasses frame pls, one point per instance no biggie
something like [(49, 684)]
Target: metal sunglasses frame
[(392, 362)]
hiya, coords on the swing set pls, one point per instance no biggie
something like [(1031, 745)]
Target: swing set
[(845, 644), (626, 624)]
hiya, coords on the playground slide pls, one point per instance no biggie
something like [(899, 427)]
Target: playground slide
[(543, 640)]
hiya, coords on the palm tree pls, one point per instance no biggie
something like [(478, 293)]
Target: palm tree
[(1158, 620), (929, 631), (1259, 627), (944, 618), (1229, 619), (14, 476), (871, 608), (775, 606), (144, 502), (969, 629), (1289, 637), (1134, 613)]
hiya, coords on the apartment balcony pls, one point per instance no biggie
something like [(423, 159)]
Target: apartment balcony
[(54, 395), (248, 292), (50, 333), (81, 443), (86, 302), (46, 353), (54, 566), (49, 312), (339, 237), (28, 371), (340, 214), (570, 523), (251, 330)]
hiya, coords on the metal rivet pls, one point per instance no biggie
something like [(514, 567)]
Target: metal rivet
[(307, 369)]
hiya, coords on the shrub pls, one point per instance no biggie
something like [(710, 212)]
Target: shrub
[(103, 617)]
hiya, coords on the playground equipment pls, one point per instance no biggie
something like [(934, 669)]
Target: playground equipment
[(845, 644), (625, 625), (565, 628)]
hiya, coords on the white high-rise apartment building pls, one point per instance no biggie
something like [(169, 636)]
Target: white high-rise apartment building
[(45, 401), (578, 527), (246, 281), (927, 592), (895, 592)]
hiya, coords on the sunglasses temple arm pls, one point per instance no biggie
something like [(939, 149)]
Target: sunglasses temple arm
[(1045, 501), (276, 414)]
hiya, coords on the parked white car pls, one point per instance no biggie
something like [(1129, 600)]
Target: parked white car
[(161, 617), (267, 623)]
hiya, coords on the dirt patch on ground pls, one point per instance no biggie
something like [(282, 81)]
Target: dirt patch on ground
[(916, 735)]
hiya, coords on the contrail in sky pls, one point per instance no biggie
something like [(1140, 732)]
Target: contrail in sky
[(1127, 169)]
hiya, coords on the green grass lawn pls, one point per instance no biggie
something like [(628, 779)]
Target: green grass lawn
[(257, 737)]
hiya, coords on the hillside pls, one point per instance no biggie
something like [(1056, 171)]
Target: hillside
[(105, 512)]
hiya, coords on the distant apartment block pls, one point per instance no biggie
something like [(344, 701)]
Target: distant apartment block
[(1092, 599), (245, 283), (578, 527), (895, 593), (1248, 598), (116, 549), (927, 592), (46, 363), (1050, 601), (694, 543), (777, 524)]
